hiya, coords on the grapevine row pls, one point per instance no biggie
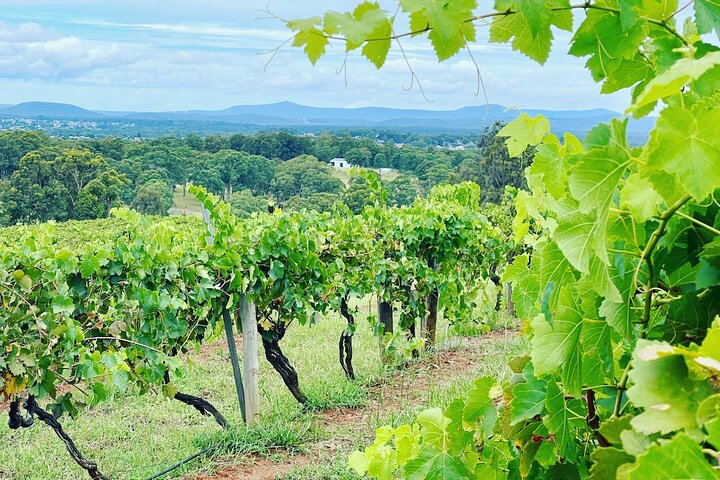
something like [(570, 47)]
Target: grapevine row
[(121, 304)]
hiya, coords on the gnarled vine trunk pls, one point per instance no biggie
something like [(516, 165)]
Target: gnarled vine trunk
[(201, 405), (345, 344), (281, 364), (385, 316), (17, 420), (429, 331)]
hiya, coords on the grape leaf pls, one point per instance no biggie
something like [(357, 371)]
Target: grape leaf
[(605, 39), (529, 27), (576, 235), (561, 420), (523, 132), (672, 80), (606, 462), (553, 346), (640, 198), (686, 144), (447, 21), (528, 399), (434, 464), (550, 165), (479, 402), (665, 409), (595, 177), (358, 26), (310, 37), (680, 457), (707, 16)]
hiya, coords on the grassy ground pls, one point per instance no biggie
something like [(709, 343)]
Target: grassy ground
[(187, 204), (135, 437)]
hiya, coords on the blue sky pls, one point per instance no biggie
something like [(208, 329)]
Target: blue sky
[(160, 55)]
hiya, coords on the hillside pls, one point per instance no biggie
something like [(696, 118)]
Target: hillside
[(306, 118)]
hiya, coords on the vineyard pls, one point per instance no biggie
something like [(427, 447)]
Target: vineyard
[(619, 291), (613, 259), (115, 310)]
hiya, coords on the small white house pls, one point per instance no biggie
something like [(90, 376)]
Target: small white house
[(340, 163)]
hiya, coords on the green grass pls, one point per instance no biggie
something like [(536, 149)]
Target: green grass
[(134, 437), (187, 204)]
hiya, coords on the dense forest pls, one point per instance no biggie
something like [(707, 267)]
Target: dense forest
[(44, 178)]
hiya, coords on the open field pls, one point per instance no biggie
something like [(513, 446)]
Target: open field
[(186, 204), (135, 437)]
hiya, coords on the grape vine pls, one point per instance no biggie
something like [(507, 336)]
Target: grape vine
[(621, 286), (115, 302)]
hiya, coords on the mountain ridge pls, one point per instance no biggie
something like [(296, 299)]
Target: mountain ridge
[(292, 115)]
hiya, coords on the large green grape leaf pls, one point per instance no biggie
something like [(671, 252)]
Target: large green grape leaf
[(435, 464), (552, 269), (594, 179), (550, 165), (529, 28), (309, 37), (640, 198), (601, 281), (627, 74), (523, 132), (659, 9), (606, 462), (479, 402), (363, 23), (666, 409), (678, 458), (685, 144), (576, 235), (595, 338), (528, 399), (448, 21), (671, 81), (603, 37), (713, 428), (707, 16), (553, 346), (562, 418)]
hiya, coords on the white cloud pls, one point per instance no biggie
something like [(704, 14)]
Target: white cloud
[(27, 50)]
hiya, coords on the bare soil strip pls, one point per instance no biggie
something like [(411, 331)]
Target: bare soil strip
[(410, 387)]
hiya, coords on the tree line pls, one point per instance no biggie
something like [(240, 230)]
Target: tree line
[(44, 178)]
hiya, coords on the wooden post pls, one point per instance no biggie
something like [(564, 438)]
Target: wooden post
[(510, 305), (228, 323), (251, 367)]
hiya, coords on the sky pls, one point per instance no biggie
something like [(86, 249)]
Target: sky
[(174, 55)]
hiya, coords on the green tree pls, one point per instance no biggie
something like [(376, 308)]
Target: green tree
[(303, 176), (360, 157), (35, 191), (358, 194), (404, 189), (152, 198), (76, 168), (319, 202), (15, 145), (100, 195), (244, 203)]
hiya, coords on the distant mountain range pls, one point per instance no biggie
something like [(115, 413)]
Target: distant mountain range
[(294, 116)]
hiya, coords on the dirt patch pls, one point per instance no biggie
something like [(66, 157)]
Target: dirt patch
[(409, 387)]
